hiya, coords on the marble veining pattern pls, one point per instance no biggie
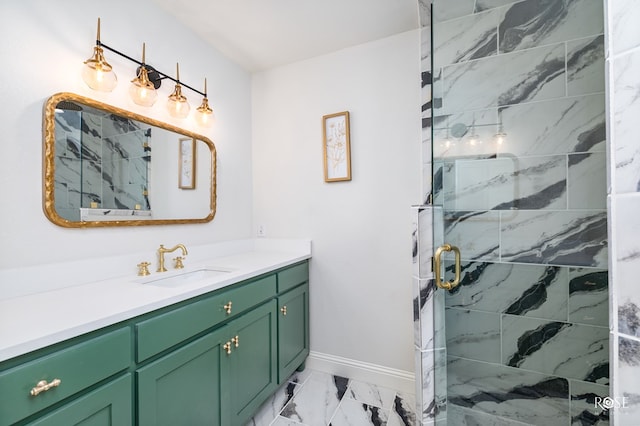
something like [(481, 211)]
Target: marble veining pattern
[(584, 410), (560, 348), (509, 183), (628, 376), (475, 233), (559, 126), (471, 37), (627, 264), (585, 66), (527, 212), (110, 170), (589, 296), (539, 291), (535, 74), (316, 398), (626, 109), (512, 393), (570, 238), (533, 23), (473, 334)]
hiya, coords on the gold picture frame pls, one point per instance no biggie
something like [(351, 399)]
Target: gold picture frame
[(336, 147), (187, 163)]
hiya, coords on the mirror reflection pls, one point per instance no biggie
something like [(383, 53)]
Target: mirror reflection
[(107, 167)]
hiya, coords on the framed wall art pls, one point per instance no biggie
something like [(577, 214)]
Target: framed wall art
[(187, 163), (336, 147)]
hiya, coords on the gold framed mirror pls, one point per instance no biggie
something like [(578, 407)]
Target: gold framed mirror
[(105, 166)]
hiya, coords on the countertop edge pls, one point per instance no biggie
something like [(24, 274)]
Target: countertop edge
[(12, 347)]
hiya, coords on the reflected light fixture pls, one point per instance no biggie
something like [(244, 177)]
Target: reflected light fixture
[(474, 138), (447, 139), (205, 116), (177, 104), (500, 136), (97, 72), (142, 90)]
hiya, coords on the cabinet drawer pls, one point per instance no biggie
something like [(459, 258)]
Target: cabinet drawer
[(110, 405), (293, 276), (166, 330), (77, 367)]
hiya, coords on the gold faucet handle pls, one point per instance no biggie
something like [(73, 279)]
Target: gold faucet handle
[(143, 268), (178, 262)]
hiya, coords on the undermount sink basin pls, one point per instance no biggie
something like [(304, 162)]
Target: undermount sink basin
[(184, 278)]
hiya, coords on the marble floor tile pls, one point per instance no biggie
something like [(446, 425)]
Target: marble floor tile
[(355, 413), (371, 394), (315, 398), (318, 400)]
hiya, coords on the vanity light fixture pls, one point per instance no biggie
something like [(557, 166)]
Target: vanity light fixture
[(205, 116), (97, 72), (99, 75), (177, 105), (142, 90)]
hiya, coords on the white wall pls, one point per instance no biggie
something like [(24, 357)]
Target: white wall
[(361, 230), (44, 46)]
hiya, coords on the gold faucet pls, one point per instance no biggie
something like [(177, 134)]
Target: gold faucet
[(162, 251)]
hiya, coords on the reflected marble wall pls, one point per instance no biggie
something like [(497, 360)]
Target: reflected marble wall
[(99, 159)]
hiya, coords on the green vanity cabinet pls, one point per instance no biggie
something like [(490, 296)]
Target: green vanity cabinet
[(293, 330), (186, 387), (213, 359), (219, 379), (63, 373), (252, 361)]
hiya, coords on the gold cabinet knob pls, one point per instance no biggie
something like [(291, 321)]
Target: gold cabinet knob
[(43, 386), (236, 341), (227, 308), (284, 310), (227, 348)]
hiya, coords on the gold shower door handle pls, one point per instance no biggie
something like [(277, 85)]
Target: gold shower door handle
[(447, 285)]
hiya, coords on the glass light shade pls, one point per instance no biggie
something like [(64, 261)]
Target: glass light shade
[(205, 116), (177, 104), (142, 91), (500, 137), (97, 73)]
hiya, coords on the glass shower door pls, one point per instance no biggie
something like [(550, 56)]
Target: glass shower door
[(519, 186)]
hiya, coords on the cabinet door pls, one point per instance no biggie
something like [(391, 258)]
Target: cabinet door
[(252, 361), (293, 330), (109, 405), (185, 387)]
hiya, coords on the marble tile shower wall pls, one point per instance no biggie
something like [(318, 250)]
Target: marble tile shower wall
[(623, 69), (110, 170), (526, 332)]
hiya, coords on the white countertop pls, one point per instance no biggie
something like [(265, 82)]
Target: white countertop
[(39, 319)]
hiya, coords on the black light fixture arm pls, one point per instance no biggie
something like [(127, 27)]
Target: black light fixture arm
[(155, 76)]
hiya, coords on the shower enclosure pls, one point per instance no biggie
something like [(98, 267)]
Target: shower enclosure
[(514, 142)]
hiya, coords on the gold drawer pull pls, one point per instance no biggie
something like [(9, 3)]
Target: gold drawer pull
[(284, 310), (227, 348), (236, 341), (43, 386), (227, 308)]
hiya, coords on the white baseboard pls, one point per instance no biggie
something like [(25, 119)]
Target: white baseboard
[(400, 380)]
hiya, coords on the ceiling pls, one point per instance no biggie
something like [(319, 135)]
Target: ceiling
[(261, 34)]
